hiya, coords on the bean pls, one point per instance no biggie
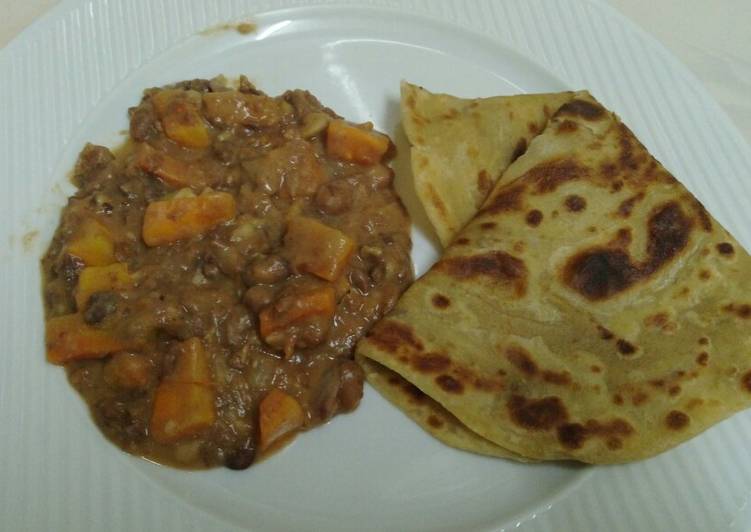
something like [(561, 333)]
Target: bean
[(100, 305), (241, 458), (129, 371), (142, 123), (210, 270), (266, 270), (328, 390), (257, 297), (360, 280), (313, 124), (351, 383)]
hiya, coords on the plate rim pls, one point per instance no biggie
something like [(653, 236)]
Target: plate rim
[(706, 99)]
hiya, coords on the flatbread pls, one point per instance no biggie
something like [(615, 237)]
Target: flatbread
[(460, 147), (592, 310)]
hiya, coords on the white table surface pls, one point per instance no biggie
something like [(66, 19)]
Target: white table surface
[(712, 37)]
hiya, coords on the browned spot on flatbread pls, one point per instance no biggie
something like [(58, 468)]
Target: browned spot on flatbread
[(616, 186), (449, 384), (567, 126), (521, 359), (624, 347), (608, 171), (705, 275), (575, 203), (414, 394), (618, 399), (436, 201), (549, 175), (450, 114), (532, 128), (462, 241), (632, 154), (674, 390), (488, 225), (595, 369), (582, 108), (488, 385), (602, 272), (391, 335), (742, 310), (537, 414), (746, 381), (676, 420), (434, 422), (725, 248), (574, 435), (533, 218), (703, 340), (484, 183), (561, 378), (605, 334), (431, 363), (658, 320), (468, 376), (704, 219), (510, 199), (496, 265), (622, 238), (627, 205), (440, 301), (639, 398), (519, 149)]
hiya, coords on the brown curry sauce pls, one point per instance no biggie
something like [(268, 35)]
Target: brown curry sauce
[(207, 284)]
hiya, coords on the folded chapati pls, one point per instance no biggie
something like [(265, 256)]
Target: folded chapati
[(460, 147), (592, 309)]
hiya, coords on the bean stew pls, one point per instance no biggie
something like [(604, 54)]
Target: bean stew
[(208, 280)]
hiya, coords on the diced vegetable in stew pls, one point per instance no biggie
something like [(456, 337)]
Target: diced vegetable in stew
[(209, 279)]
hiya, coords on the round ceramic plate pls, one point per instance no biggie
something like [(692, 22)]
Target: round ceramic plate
[(70, 78)]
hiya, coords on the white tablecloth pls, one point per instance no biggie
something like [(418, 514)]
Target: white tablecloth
[(712, 37)]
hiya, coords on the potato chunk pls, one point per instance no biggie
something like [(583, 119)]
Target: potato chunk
[(354, 144), (279, 415), (182, 217), (317, 248), (184, 401), (70, 338), (296, 309), (93, 244), (192, 364), (179, 113), (172, 171), (181, 410), (92, 279)]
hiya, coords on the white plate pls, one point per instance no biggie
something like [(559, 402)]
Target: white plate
[(69, 79)]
